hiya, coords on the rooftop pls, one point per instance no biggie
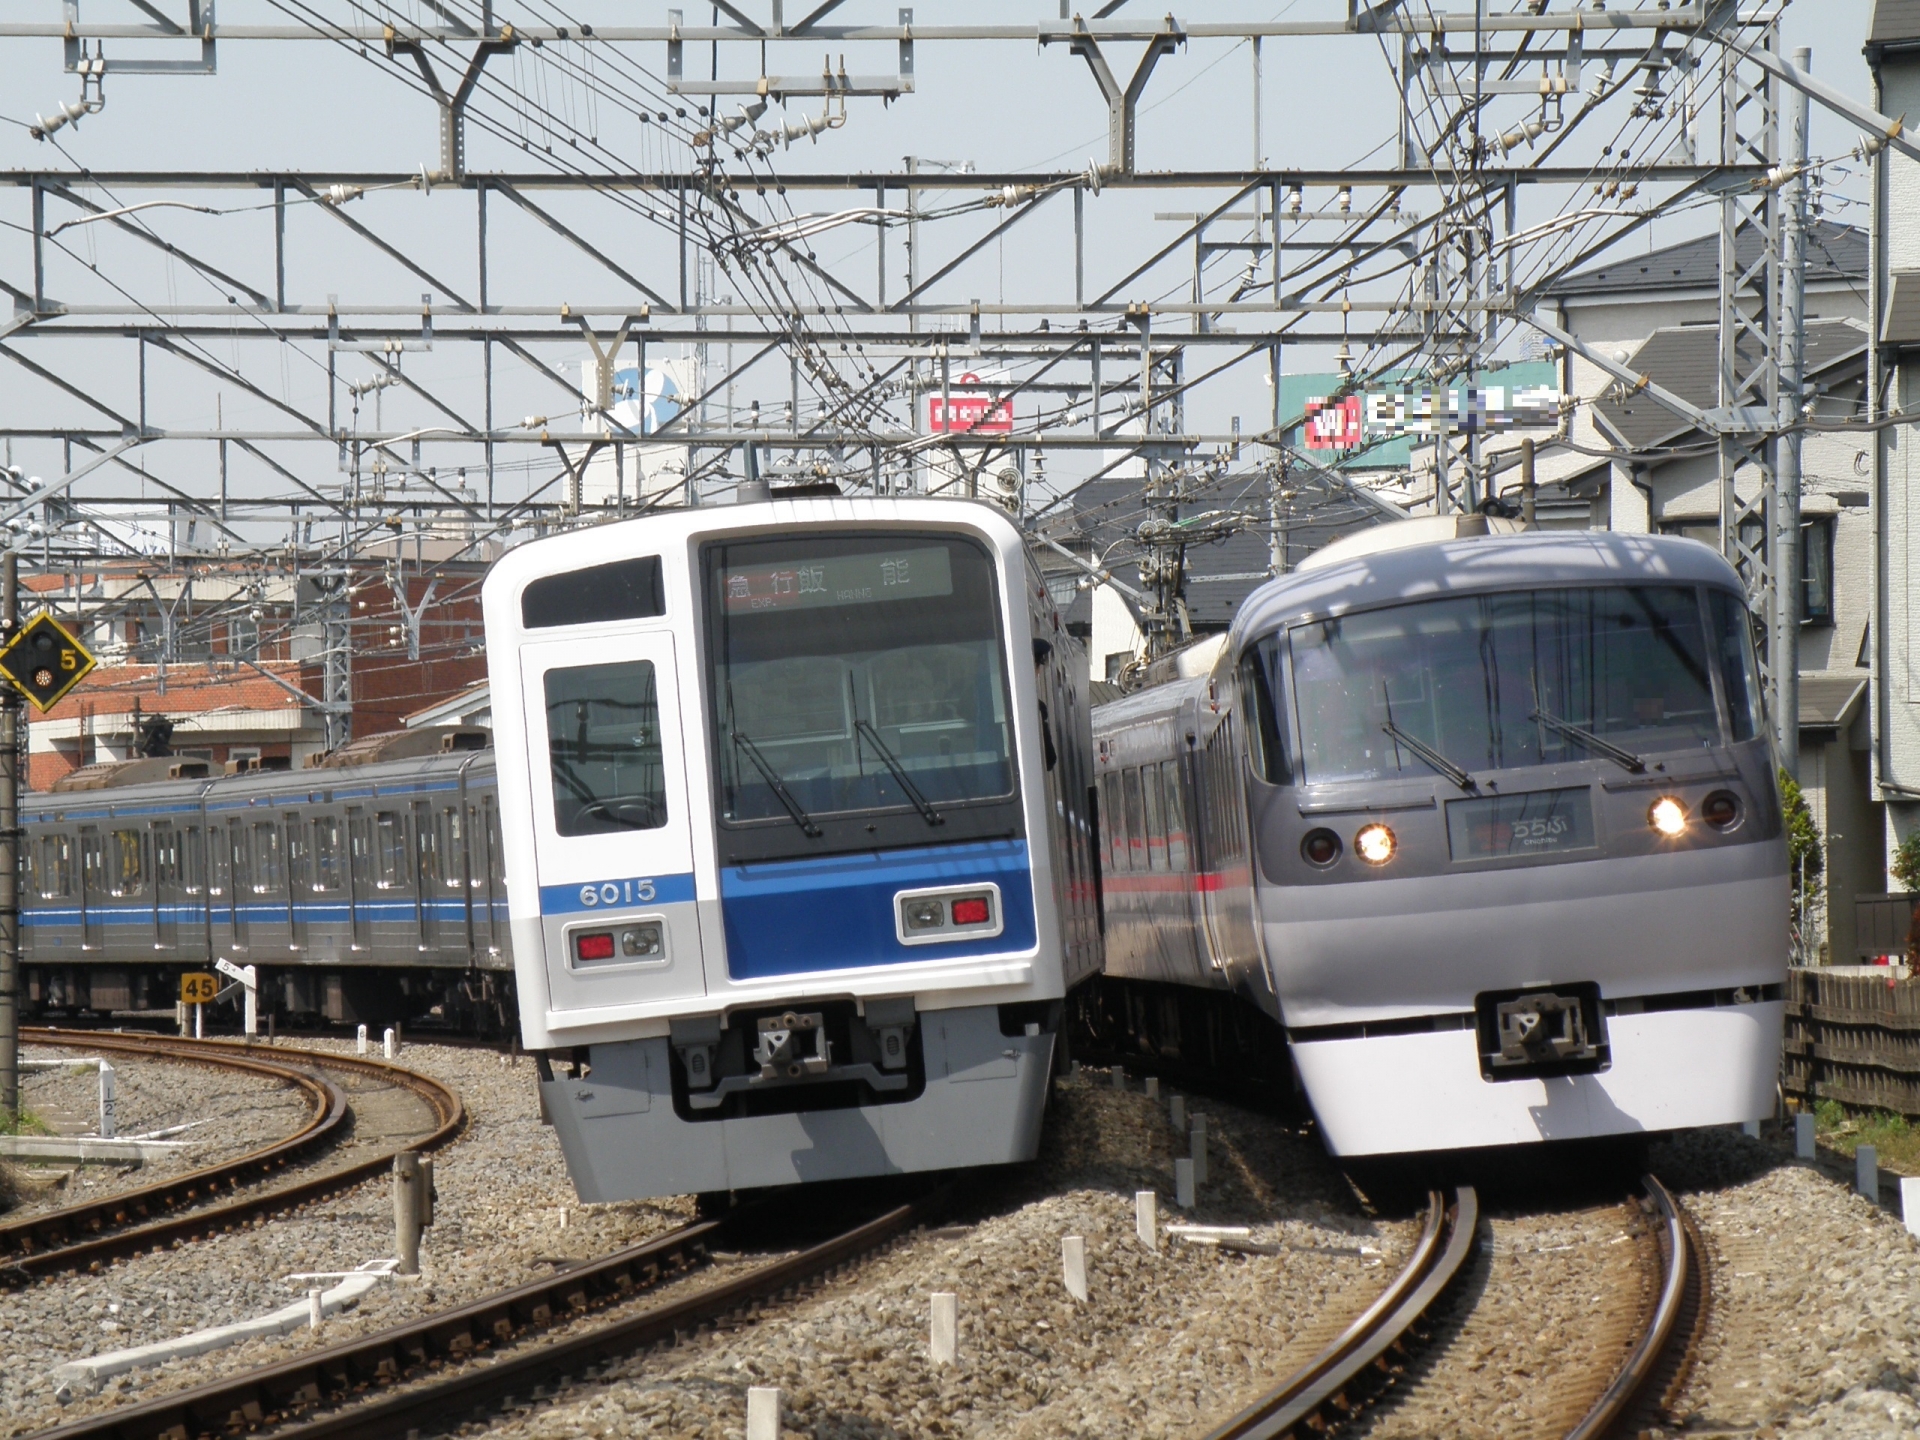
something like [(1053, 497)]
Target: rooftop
[(1836, 255)]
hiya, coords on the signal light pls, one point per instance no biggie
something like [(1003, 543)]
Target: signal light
[(971, 911), (1721, 810), (1320, 847), (597, 946)]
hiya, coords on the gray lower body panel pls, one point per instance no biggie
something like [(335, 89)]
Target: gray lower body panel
[(982, 1106)]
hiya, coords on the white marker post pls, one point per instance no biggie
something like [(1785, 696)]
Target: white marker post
[(945, 1339), (199, 1020), (763, 1413), (1803, 1136), (1177, 1111), (1153, 1087), (1866, 1172), (1073, 1262), (109, 1100), (316, 1312), (1198, 1136), (1750, 1128), (1146, 1218), (1119, 1077), (248, 978), (361, 1040), (1183, 1184), (1910, 1204), (386, 1045)]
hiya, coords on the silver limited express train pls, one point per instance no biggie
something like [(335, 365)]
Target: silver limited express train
[(794, 800), (1477, 835)]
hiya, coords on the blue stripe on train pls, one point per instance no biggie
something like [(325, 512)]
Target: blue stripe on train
[(836, 912)]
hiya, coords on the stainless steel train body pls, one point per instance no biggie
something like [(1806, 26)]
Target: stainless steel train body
[(1488, 826), (795, 800), (373, 892)]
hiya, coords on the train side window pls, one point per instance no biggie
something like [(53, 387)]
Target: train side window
[(299, 856), (93, 863), (328, 859), (1266, 746), (1176, 815), (496, 863), (1136, 823), (1156, 817), (269, 858), (166, 856), (390, 850), (452, 835), (126, 862), (428, 866), (220, 866), (1110, 822), (192, 857), (56, 866)]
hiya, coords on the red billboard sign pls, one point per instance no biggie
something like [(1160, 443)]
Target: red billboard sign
[(969, 411)]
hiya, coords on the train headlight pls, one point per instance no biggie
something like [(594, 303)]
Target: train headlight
[(1320, 848), (1668, 816), (1375, 844)]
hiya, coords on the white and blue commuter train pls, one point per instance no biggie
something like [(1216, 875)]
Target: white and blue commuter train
[(795, 799), (1474, 837)]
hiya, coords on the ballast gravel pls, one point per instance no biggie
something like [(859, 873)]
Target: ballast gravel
[(1168, 1342), (503, 1191), (228, 1114), (1815, 1321)]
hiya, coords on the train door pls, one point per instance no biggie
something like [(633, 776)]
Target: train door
[(167, 896), (613, 846), (426, 869), (192, 914), (488, 835), (299, 880), (240, 883), (93, 888), (452, 829), (360, 887), (328, 889)]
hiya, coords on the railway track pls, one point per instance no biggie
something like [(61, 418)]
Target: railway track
[(1361, 1359), (1663, 1349), (1365, 1358), (436, 1371), (236, 1192)]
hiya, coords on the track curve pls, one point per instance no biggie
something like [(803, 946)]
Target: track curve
[(120, 1226), (1325, 1382)]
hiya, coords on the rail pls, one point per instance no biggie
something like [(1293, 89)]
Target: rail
[(1446, 1241), (120, 1226), (429, 1359)]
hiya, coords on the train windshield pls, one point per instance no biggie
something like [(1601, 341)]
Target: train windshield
[(1500, 681), (856, 676)]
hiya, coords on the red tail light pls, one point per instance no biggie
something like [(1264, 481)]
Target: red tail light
[(971, 911), (594, 947)]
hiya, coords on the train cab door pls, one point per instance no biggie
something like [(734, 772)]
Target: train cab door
[(93, 888), (612, 834)]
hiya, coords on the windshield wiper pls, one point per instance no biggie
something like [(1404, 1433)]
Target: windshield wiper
[(1632, 762), (777, 785), (1424, 751), (1433, 757), (927, 812)]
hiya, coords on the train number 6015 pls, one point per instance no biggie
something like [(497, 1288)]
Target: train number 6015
[(617, 892)]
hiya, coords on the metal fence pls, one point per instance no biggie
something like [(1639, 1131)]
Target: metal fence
[(1853, 1035)]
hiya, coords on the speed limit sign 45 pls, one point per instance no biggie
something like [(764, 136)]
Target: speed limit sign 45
[(198, 988)]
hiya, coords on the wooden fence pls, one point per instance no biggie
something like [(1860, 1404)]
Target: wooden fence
[(1854, 1037)]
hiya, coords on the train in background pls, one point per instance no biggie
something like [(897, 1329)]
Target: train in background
[(368, 888), (794, 802), (1468, 836)]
